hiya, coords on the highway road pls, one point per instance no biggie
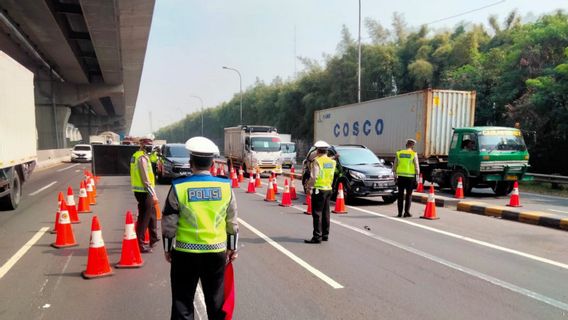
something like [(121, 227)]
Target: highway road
[(375, 266)]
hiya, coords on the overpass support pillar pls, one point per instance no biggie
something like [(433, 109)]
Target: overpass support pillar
[(51, 126)]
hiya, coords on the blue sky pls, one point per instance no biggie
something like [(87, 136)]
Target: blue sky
[(191, 40)]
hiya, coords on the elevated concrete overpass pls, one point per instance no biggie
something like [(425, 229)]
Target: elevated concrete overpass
[(87, 56)]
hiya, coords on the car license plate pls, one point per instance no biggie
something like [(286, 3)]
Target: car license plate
[(511, 178), (378, 185)]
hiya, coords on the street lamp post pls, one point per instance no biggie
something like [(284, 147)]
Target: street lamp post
[(201, 100), (359, 59), (241, 88)]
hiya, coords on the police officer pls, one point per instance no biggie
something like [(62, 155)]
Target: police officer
[(406, 170), (200, 232), (154, 158), (143, 183), (319, 187)]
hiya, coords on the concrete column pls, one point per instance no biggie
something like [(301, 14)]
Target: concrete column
[(45, 122)]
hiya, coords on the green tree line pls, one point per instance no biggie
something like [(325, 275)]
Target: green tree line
[(519, 70)]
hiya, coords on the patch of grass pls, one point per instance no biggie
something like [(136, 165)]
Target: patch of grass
[(543, 188)]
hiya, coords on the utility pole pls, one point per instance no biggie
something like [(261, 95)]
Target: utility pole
[(150, 118), (295, 54), (359, 62)]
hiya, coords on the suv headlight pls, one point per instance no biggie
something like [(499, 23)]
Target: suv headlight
[(357, 175)]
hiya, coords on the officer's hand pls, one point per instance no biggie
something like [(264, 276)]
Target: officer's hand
[(168, 257), (232, 255)]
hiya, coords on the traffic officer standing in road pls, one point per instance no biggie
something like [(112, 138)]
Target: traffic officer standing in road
[(406, 171), (319, 187), (143, 182), (200, 232), (154, 158)]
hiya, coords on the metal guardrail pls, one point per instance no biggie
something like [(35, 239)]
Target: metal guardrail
[(550, 178)]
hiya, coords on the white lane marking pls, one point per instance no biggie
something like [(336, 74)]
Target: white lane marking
[(559, 211), (21, 252), (538, 195), (292, 256), (66, 168), (40, 190), (468, 239), (199, 303), (471, 272)]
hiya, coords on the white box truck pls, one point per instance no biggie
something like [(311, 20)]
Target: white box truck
[(18, 135), (288, 148), (253, 147)]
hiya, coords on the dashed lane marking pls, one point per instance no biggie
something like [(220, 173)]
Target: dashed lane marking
[(21, 252), (66, 168), (40, 190)]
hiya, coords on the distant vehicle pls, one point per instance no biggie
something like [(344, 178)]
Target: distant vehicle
[(97, 139), (18, 145), (173, 162), (360, 171), (288, 157), (82, 153), (497, 159), (253, 147)]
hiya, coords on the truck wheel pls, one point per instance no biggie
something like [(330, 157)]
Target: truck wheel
[(502, 188), (11, 201), (465, 181)]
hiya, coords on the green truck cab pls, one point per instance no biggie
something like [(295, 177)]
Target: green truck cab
[(492, 157)]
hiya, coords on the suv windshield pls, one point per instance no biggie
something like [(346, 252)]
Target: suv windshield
[(502, 141), (266, 144), (82, 148), (352, 156), (288, 148), (177, 152)]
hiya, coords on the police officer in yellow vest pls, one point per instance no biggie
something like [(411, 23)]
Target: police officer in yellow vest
[(406, 170), (200, 232), (143, 183), (154, 158), (319, 186)]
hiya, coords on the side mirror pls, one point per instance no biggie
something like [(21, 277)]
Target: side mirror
[(382, 161)]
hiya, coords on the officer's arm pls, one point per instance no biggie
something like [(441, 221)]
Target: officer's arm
[(314, 172), (416, 165), (170, 217), (232, 224), (395, 163)]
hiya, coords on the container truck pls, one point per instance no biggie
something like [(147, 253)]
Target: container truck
[(18, 142), (253, 147), (288, 148), (448, 145)]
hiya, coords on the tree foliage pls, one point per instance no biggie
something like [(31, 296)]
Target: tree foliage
[(519, 71)]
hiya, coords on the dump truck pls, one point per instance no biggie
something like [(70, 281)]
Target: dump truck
[(449, 146), (18, 145), (253, 147)]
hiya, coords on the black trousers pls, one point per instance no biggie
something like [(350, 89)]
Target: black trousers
[(405, 185), (186, 270), (146, 217), (320, 213)]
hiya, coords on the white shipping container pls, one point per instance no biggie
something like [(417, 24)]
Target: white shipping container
[(18, 136), (383, 125)]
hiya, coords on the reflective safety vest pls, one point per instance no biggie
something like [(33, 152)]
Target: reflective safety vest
[(203, 202), (405, 163), (154, 157), (135, 177), (324, 180)]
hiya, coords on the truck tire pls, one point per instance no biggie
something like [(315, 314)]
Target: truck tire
[(502, 188), (465, 181), (11, 201)]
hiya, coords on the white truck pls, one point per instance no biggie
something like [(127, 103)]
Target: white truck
[(253, 147), (18, 135), (288, 148)]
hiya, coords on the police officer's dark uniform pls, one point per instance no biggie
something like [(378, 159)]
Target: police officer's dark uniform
[(200, 233), (320, 189), (406, 170)]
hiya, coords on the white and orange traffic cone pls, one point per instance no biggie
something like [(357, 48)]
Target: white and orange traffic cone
[(235, 180), (65, 237), (515, 200), (275, 184), (59, 200), (270, 196), (130, 256), (251, 185), (71, 206), (84, 205), (340, 201), (292, 170), (459, 189), (293, 194), (94, 186), (258, 182), (97, 261), (212, 170), (241, 175), (430, 210), (420, 187), (286, 197), (90, 195), (309, 203)]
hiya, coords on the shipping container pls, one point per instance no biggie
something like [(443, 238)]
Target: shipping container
[(383, 125)]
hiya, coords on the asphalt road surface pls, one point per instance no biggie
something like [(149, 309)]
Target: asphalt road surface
[(375, 266)]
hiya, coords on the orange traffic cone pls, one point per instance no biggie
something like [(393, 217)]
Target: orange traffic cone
[(71, 206), (251, 186), (257, 182), (212, 170), (515, 200), (292, 170), (130, 256), (340, 201), (94, 186), (459, 189), (241, 175), (84, 205), (309, 203), (286, 197), (235, 183), (430, 210), (420, 187), (147, 236), (65, 237), (97, 261), (157, 209), (54, 230), (275, 184), (293, 194), (90, 195), (270, 192)]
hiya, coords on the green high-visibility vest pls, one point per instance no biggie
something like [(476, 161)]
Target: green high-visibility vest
[(405, 163), (135, 177), (324, 179), (203, 202), (154, 157)]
